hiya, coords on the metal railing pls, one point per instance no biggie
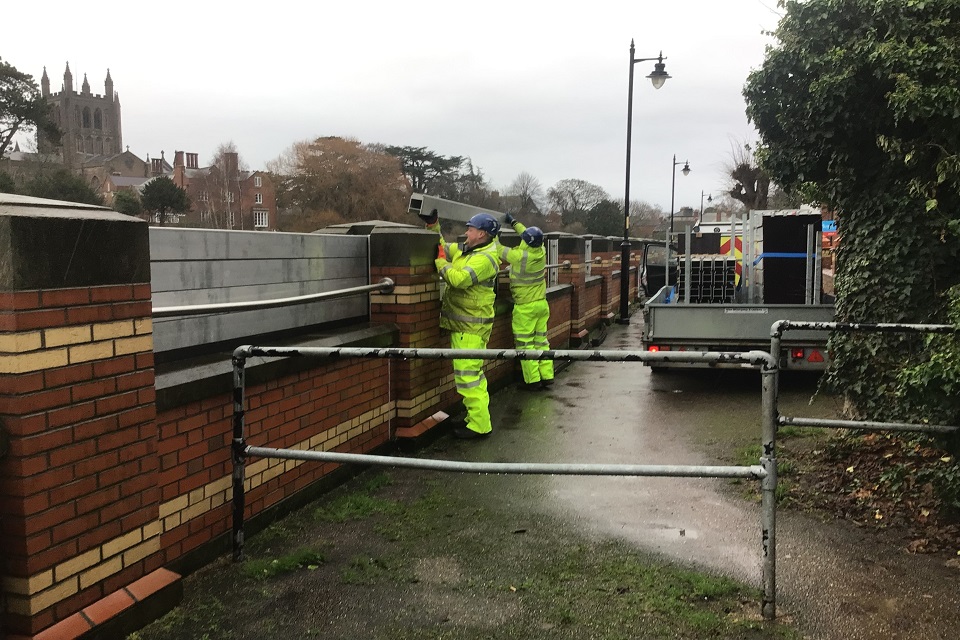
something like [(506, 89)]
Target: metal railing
[(765, 472), (772, 418), (384, 286)]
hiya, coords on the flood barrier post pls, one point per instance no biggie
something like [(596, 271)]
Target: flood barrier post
[(768, 461), (238, 448)]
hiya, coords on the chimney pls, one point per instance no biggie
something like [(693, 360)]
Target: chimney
[(230, 162), (177, 159), (192, 161)]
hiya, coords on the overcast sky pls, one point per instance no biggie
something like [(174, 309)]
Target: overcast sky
[(519, 86)]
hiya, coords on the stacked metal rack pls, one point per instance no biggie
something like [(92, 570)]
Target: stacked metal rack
[(712, 279)]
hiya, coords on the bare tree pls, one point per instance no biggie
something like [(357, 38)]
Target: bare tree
[(573, 198), (217, 190), (332, 176), (528, 192), (749, 183)]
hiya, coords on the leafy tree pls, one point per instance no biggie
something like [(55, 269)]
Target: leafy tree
[(857, 106), (605, 218), (343, 177), (127, 202), (467, 185), (61, 184), (425, 168), (573, 198), (22, 107), (162, 197), (7, 185)]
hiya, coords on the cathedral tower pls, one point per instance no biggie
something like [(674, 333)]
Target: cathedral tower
[(90, 123)]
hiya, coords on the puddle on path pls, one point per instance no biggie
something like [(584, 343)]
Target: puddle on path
[(835, 580)]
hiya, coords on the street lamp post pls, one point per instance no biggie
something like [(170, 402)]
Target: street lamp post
[(709, 199), (658, 76), (673, 185)]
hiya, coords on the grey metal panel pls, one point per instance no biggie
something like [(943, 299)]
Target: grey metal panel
[(206, 266), (216, 244), (253, 292), (219, 274), (719, 323), (176, 333)]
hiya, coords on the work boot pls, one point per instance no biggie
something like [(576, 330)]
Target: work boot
[(546, 383), (531, 386), (463, 432)]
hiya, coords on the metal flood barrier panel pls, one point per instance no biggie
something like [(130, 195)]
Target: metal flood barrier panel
[(765, 471), (207, 267)]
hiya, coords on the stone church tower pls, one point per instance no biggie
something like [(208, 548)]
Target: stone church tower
[(90, 122)]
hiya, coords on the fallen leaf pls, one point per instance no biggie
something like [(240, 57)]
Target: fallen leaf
[(512, 588), (877, 515), (849, 469)]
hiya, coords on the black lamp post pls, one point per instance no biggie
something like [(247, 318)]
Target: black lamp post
[(685, 171), (709, 199), (673, 186), (658, 76)]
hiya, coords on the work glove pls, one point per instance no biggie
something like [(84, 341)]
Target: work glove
[(430, 218), (441, 254), (509, 219)]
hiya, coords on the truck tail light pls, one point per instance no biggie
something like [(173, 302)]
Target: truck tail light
[(797, 354)]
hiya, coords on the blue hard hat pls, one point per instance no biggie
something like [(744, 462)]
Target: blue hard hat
[(485, 222), (533, 236)]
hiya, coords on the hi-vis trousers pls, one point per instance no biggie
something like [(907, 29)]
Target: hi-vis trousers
[(471, 383), (530, 332)]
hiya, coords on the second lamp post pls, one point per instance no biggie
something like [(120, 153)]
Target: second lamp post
[(658, 76)]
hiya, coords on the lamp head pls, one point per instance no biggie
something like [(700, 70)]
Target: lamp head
[(658, 76), (686, 168)]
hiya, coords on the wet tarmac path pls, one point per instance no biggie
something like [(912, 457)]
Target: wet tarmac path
[(834, 580)]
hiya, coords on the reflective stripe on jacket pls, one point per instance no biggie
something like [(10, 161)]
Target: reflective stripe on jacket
[(470, 295), (527, 269)]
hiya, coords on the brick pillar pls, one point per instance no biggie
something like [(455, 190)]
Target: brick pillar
[(78, 484), (572, 248), (405, 255), (608, 251)]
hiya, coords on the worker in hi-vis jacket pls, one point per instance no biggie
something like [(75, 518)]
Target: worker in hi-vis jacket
[(531, 312), (467, 309)]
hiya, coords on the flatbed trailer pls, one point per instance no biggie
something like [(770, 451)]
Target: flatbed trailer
[(769, 271)]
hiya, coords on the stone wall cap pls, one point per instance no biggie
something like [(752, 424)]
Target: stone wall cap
[(12, 204)]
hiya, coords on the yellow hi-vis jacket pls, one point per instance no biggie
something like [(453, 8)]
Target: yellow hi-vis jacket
[(469, 298), (527, 269)]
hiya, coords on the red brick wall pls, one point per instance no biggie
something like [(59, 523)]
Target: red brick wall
[(78, 490), (342, 406)]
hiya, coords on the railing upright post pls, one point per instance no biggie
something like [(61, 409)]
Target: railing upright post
[(768, 461), (239, 453)]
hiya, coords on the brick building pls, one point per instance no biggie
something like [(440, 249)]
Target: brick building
[(224, 195)]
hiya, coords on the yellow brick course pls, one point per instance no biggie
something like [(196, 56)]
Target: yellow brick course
[(62, 336), (37, 361), (110, 330), (121, 544), (101, 572), (92, 351), (143, 326), (75, 565), (134, 345), (29, 596), (37, 603), (28, 586), (20, 342)]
